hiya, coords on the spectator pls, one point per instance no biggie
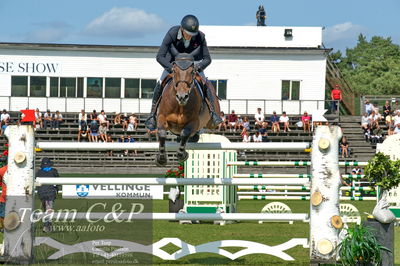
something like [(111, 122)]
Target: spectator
[(257, 137), (305, 119), (48, 119), (244, 131), (246, 137), (284, 119), (103, 132), (119, 120), (122, 139), (125, 118), (223, 124), (387, 109), (93, 131), (396, 108), (246, 123), (368, 133), (364, 121), (389, 120), (93, 116), (344, 147), (103, 119), (3, 196), (232, 118), (259, 118), (239, 123), (390, 131), (396, 119), (376, 133), (275, 123), (47, 193), (3, 127), (83, 130), (133, 123), (372, 117), (57, 120), (264, 133), (109, 139), (82, 118), (38, 119), (5, 116), (130, 139), (356, 170), (369, 107), (397, 129), (336, 97)]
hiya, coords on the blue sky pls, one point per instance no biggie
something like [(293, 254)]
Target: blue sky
[(144, 22)]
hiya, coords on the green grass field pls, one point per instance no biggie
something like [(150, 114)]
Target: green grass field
[(266, 233)]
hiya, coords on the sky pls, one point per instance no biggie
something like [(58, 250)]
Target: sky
[(145, 22)]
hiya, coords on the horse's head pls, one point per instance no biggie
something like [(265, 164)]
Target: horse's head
[(183, 74)]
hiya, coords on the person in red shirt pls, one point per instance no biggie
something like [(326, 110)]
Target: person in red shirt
[(3, 171), (336, 97), (306, 122), (232, 118)]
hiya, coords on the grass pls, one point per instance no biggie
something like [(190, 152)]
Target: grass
[(266, 233)]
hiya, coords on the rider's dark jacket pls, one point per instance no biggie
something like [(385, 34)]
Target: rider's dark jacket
[(174, 38)]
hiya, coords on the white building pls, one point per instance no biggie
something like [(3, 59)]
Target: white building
[(275, 68)]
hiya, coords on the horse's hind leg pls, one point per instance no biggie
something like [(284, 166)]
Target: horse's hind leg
[(161, 158)]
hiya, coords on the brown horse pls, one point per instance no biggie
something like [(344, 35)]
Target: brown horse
[(182, 109)]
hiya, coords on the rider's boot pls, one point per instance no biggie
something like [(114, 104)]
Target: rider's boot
[(150, 122), (216, 119)]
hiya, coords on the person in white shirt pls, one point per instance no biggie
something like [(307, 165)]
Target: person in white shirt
[(372, 117), (48, 119), (5, 117), (284, 119), (246, 137), (259, 118), (364, 121), (397, 129), (369, 107), (57, 119), (82, 119), (396, 119), (38, 119), (257, 137), (103, 119)]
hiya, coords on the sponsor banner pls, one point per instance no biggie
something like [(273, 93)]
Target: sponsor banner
[(113, 191)]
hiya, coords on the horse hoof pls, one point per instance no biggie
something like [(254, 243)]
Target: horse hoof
[(161, 160), (183, 156)]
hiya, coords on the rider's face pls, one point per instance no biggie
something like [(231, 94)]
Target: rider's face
[(186, 36)]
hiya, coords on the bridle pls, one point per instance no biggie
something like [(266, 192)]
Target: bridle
[(190, 84)]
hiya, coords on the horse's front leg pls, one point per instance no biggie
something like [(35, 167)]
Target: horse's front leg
[(161, 158), (185, 134)]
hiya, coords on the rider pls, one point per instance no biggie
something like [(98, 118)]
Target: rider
[(185, 39)]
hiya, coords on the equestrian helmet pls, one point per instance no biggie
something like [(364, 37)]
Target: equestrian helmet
[(190, 24)]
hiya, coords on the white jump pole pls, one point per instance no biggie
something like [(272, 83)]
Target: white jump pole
[(96, 146), (289, 163), (304, 188), (325, 222), (18, 233), (166, 181)]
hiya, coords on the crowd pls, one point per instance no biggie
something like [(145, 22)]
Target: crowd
[(258, 131), (377, 126)]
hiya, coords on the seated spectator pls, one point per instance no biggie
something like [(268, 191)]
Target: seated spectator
[(369, 107), (239, 123), (83, 131), (131, 140), (389, 120), (103, 119), (93, 115), (364, 121), (93, 131), (246, 123), (257, 137), (344, 147), (5, 117), (387, 109), (119, 120), (372, 117), (232, 118), (397, 129), (275, 123), (103, 132), (305, 119), (396, 119), (368, 133), (4, 127), (244, 131), (246, 137), (133, 123), (390, 131), (264, 133), (259, 118), (57, 120), (223, 124), (356, 170), (284, 119), (38, 120), (376, 133), (82, 118), (47, 119)]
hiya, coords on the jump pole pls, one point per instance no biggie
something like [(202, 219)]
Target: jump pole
[(288, 163)]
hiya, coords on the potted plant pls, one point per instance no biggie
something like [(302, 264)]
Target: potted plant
[(381, 171), (360, 247)]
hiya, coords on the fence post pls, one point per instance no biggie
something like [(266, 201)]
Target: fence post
[(18, 233)]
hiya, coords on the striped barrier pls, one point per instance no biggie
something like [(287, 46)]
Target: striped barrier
[(288, 163), (263, 197), (252, 175), (256, 188)]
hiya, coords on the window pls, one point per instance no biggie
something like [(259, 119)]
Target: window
[(67, 87), (94, 87), (220, 87), (148, 88), (79, 92), (54, 87), (113, 88), (19, 86), (290, 90), (38, 86), (131, 88)]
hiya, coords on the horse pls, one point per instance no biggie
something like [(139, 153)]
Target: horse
[(183, 109)]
